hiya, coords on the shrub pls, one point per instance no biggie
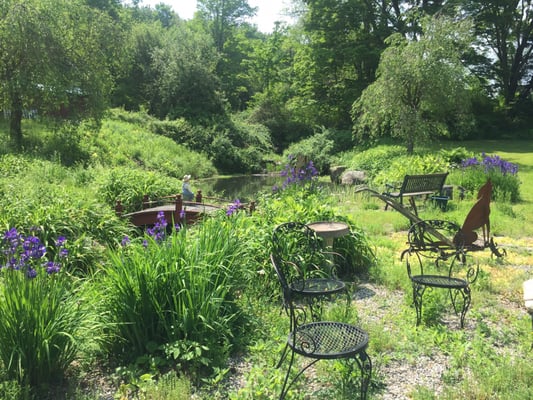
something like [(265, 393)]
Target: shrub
[(475, 171), (373, 160), (166, 292), (318, 148), (130, 185), (44, 317), (46, 195)]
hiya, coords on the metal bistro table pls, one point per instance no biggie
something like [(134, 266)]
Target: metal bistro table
[(329, 230)]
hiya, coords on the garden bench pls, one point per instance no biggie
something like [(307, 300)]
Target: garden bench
[(419, 185)]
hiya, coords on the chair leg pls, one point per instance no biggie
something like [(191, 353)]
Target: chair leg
[(286, 383), (365, 366), (467, 299), (285, 388), (531, 330), (283, 356), (418, 292)]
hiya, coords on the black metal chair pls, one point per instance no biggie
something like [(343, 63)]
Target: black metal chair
[(528, 301), (319, 340), (308, 269), (442, 263)]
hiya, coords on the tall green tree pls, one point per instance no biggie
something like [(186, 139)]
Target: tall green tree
[(505, 33), (133, 87), (422, 88), (55, 57), (223, 16), (183, 76), (345, 40)]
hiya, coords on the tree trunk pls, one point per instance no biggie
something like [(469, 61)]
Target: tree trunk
[(15, 123)]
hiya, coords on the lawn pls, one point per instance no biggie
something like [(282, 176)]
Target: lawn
[(210, 303), (487, 359)]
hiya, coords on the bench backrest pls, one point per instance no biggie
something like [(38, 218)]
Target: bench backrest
[(423, 183)]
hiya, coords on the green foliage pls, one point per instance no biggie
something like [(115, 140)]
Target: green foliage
[(184, 83), (55, 59), (419, 85), (43, 194), (123, 144), (373, 160), (176, 290), (45, 322), (270, 110), (318, 148), (130, 186), (475, 171)]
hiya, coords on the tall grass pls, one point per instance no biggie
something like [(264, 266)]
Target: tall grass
[(45, 318), (164, 294)]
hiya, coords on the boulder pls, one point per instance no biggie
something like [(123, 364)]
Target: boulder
[(353, 177), (335, 173)]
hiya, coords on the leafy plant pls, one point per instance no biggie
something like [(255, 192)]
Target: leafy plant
[(44, 317), (176, 288), (475, 171)]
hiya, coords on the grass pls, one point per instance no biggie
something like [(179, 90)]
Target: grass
[(488, 359)]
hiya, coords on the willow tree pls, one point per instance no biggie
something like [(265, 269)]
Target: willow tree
[(55, 59), (422, 89)]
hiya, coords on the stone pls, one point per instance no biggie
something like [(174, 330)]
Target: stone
[(335, 173), (353, 178)]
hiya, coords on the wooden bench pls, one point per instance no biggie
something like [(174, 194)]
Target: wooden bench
[(418, 185)]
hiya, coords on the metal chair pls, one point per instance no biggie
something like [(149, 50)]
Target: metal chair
[(308, 269), (442, 263), (320, 340), (528, 301)]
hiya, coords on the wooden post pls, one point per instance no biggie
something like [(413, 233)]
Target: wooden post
[(199, 196), (146, 201), (119, 208), (177, 209)]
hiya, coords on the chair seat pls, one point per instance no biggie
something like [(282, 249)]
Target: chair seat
[(317, 286), (440, 281), (328, 340)]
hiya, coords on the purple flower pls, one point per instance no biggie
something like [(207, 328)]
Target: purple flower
[(158, 232), (125, 241), (233, 208), (27, 253), (60, 241), (31, 273), (297, 176), (52, 267), (491, 163)]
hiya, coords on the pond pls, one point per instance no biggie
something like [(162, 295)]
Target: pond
[(243, 187)]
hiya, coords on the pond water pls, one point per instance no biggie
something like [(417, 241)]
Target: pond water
[(245, 187)]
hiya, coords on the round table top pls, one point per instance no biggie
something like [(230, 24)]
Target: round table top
[(329, 229)]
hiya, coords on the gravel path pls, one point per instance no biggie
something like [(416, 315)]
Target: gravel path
[(397, 377)]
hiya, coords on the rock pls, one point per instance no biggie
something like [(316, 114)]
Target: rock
[(335, 173), (353, 177)]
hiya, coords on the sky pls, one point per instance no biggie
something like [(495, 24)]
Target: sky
[(268, 11)]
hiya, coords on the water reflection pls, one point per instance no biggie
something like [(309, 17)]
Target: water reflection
[(244, 188)]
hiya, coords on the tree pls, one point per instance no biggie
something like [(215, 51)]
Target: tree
[(505, 33), (422, 89), (132, 90), (55, 58), (222, 16), (184, 82), (344, 42)]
